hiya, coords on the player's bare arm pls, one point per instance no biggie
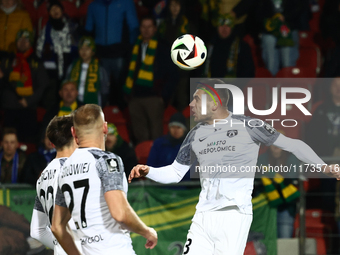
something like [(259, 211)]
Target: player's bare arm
[(61, 231), (122, 212), (138, 172)]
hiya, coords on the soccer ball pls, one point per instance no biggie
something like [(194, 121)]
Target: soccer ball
[(188, 52)]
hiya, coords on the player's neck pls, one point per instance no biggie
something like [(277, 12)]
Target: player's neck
[(65, 152), (93, 143), (218, 116)]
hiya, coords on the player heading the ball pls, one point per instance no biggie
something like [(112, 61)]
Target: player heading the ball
[(224, 211)]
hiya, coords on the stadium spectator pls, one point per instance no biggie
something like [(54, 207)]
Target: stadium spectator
[(228, 54), (323, 135), (150, 83), (24, 80), (213, 9), (91, 77), (12, 159), (105, 20), (115, 143), (55, 43), (285, 202), (280, 37), (68, 103), (165, 149), (175, 25), (37, 161), (330, 27), (12, 19)]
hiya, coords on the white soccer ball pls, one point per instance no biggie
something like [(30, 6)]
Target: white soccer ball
[(188, 52)]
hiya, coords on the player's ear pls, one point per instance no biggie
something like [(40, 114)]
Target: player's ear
[(105, 129), (73, 131), (215, 106)]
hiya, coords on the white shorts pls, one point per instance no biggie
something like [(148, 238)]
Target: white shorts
[(222, 232)]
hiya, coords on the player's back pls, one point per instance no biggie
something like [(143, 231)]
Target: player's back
[(46, 187), (84, 179)]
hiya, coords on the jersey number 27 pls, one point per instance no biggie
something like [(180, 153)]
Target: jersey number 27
[(78, 184)]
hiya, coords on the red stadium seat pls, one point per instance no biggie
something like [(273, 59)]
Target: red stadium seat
[(318, 226), (28, 148), (82, 10), (314, 22), (142, 151), (70, 9), (29, 7), (187, 112), (114, 115), (123, 132), (169, 111), (306, 39), (40, 114), (296, 72), (310, 57), (262, 72), (42, 16)]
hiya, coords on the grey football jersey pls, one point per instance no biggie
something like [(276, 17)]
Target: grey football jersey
[(226, 152)]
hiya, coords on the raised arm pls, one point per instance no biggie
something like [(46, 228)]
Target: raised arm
[(168, 174), (172, 173), (305, 153), (40, 226)]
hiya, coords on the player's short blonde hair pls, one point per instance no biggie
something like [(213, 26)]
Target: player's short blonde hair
[(87, 117)]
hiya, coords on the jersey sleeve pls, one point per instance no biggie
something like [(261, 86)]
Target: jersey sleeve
[(38, 206), (60, 198), (111, 172), (185, 155), (261, 132)]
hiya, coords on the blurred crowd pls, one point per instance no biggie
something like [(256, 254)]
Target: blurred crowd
[(58, 55)]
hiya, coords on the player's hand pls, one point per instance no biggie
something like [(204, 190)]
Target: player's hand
[(151, 239), (332, 171), (138, 172)]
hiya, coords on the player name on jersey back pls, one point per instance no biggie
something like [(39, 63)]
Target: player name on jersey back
[(73, 169), (49, 174)]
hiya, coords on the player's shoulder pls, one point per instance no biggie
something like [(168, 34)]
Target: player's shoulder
[(192, 132), (100, 154), (49, 172), (250, 122)]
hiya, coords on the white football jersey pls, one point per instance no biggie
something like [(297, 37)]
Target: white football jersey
[(46, 187), (85, 177), (226, 153)]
